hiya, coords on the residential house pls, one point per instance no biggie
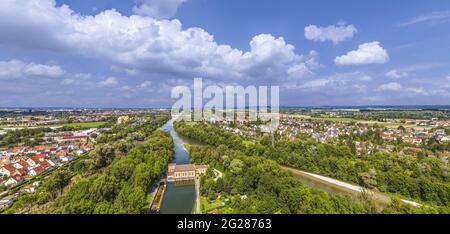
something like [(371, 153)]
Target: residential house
[(36, 171), (32, 162), (7, 170), (21, 164), (21, 172), (45, 165), (14, 180)]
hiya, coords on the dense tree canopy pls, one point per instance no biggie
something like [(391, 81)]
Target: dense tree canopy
[(124, 185), (425, 179), (260, 186), (115, 177)]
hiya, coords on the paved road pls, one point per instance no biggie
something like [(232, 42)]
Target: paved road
[(197, 196)]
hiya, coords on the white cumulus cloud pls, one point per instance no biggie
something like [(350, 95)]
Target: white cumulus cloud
[(396, 74), (147, 45), (316, 83), (109, 82), (145, 84), (419, 91), (18, 68), (344, 81), (335, 33), (392, 86), (367, 53)]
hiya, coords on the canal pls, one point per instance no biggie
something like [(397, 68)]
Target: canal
[(179, 197), (334, 186)]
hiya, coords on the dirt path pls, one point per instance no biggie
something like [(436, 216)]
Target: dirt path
[(218, 174)]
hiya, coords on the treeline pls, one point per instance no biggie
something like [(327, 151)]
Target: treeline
[(124, 185), (259, 186), (375, 115), (209, 134), (102, 181), (429, 147), (433, 145), (26, 136), (32, 136), (383, 115), (426, 179)]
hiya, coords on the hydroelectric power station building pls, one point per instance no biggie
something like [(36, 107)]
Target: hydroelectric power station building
[(177, 172)]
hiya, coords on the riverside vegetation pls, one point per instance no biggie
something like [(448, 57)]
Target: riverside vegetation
[(252, 168), (116, 177)]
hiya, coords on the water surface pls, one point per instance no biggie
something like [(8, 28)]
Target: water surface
[(179, 197)]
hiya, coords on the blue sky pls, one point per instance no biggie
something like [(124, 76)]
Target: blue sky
[(82, 53)]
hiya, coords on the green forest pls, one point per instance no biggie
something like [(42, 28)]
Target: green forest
[(34, 136), (267, 188), (423, 179), (116, 177), (29, 137)]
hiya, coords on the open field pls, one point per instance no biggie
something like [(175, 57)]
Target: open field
[(81, 125), (348, 120), (75, 125), (369, 122)]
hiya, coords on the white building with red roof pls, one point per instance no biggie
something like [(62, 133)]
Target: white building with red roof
[(7, 170), (184, 171), (13, 180)]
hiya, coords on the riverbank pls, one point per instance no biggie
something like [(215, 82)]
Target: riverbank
[(157, 197), (197, 197), (381, 199), (179, 196)]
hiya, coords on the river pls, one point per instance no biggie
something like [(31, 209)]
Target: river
[(335, 186), (179, 197)]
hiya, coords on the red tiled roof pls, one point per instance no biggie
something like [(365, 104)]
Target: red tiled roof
[(38, 169), (61, 153), (185, 167), (21, 171), (45, 164), (23, 163), (18, 178), (9, 167), (74, 137), (40, 156)]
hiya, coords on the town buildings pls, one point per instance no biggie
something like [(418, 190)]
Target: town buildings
[(22, 162)]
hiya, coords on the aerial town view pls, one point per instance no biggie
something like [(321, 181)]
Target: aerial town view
[(214, 108), (359, 160)]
